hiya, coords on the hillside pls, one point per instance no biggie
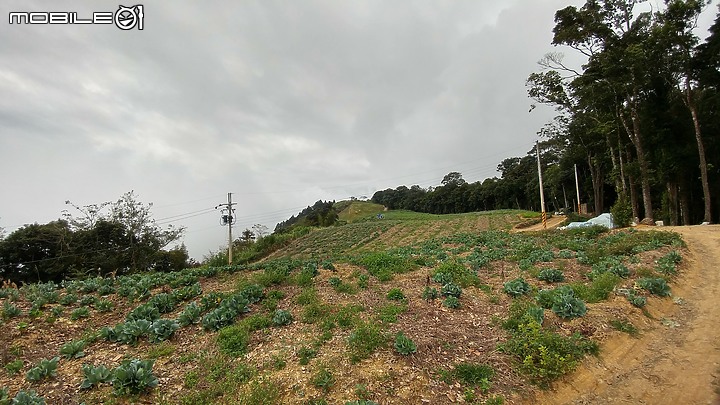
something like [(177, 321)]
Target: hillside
[(407, 309)]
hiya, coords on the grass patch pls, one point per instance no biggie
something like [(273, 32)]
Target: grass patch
[(163, 349), (389, 313), (364, 340)]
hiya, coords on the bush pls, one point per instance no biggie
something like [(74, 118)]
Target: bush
[(621, 212), (133, 377), (404, 345)]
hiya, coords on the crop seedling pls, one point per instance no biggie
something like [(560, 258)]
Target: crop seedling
[(551, 275), (568, 307), (73, 350), (95, 376), (282, 317), (133, 377), (451, 290), (657, 286), (163, 302), (104, 306), (10, 310), (404, 345), (147, 311), (14, 367), (190, 315), (516, 288), (28, 398), (46, 368), (163, 329)]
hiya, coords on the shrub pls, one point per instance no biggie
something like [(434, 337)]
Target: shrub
[(282, 317), (133, 377), (657, 286), (516, 288), (46, 368), (73, 350), (95, 375), (404, 345), (551, 275), (621, 212)]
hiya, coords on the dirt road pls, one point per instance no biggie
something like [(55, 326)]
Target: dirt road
[(676, 359)]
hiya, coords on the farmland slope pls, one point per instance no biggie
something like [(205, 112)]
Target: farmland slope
[(677, 360)]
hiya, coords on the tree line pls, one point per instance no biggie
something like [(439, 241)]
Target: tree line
[(98, 239), (639, 119)]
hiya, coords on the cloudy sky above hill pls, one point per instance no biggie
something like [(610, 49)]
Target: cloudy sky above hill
[(280, 102)]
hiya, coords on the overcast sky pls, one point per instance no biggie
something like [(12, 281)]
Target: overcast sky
[(282, 103)]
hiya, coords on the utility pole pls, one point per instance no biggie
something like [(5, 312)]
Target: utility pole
[(542, 194), (577, 189), (227, 218)]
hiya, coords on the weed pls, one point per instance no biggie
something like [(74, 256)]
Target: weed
[(430, 294), (364, 340), (314, 312), (260, 392), (323, 378), (389, 313), (162, 350), (395, 294), (233, 340), (543, 355), (625, 326), (307, 296), (306, 353), (363, 281)]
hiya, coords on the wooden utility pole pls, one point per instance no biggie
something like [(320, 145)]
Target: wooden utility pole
[(228, 219), (542, 194)]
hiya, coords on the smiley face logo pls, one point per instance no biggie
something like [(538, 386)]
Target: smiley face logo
[(126, 18)]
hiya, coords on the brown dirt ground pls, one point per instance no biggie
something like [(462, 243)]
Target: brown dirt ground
[(673, 362)]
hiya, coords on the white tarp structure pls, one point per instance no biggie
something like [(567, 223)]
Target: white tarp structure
[(601, 220)]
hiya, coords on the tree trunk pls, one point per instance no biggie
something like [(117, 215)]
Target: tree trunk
[(701, 149), (596, 175), (673, 203), (684, 206), (636, 140)]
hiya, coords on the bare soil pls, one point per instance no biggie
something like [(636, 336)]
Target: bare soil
[(676, 360)]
